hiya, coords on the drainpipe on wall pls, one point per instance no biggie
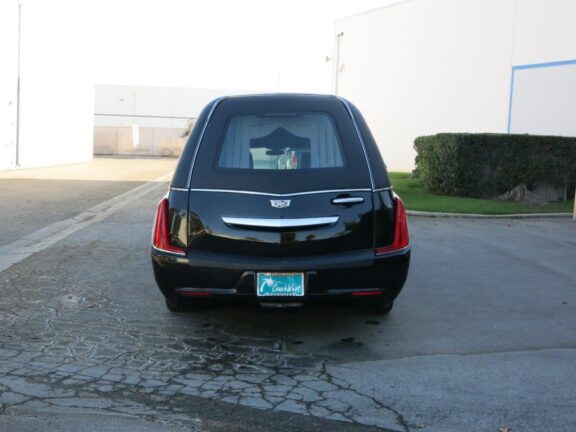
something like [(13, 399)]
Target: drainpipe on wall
[(337, 62)]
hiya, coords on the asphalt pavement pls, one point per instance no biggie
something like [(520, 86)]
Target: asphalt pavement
[(35, 198), (483, 336)]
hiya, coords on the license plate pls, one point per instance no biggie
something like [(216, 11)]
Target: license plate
[(280, 284)]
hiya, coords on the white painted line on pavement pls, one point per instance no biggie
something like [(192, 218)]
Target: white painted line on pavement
[(23, 248)]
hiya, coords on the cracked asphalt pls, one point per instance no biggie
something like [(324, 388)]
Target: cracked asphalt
[(483, 337)]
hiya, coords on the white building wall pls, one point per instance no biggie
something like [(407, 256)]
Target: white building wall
[(121, 105), (544, 31), (543, 101), (143, 120), (56, 85), (543, 88), (421, 67), (8, 82)]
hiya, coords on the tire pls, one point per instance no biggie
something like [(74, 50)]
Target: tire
[(376, 307), (177, 305), (173, 302)]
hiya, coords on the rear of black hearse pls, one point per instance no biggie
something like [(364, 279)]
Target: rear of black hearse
[(275, 186)]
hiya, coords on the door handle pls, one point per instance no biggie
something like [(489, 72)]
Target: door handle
[(348, 201)]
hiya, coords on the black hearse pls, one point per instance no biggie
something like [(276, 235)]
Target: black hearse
[(282, 199)]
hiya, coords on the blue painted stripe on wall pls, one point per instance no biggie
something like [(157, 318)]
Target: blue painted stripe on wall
[(545, 65), (510, 100), (530, 66)]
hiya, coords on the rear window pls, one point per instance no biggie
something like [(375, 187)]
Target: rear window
[(280, 144), (287, 141)]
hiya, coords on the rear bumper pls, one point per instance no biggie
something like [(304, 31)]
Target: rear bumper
[(326, 276)]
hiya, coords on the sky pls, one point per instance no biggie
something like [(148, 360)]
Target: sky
[(246, 45), (239, 45)]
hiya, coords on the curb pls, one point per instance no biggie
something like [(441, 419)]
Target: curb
[(486, 216)]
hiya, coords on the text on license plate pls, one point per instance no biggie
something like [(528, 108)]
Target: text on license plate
[(280, 284)]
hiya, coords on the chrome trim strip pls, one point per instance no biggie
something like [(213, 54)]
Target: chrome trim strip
[(280, 305), (182, 254), (348, 200), (393, 253), (345, 102), (280, 223), (216, 103), (208, 290), (279, 195)]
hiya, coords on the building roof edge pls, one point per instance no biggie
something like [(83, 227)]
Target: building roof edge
[(398, 3)]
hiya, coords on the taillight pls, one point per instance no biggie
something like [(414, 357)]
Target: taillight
[(367, 293), (160, 237), (194, 293), (401, 239)]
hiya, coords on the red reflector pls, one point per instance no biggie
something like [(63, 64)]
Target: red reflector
[(160, 238), (366, 293), (401, 238), (194, 293)]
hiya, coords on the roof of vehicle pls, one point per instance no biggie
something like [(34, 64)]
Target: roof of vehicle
[(379, 176), (284, 96)]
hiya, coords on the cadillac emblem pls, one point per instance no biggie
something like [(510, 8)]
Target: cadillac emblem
[(280, 203)]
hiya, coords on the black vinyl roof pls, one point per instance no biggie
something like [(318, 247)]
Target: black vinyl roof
[(312, 102)]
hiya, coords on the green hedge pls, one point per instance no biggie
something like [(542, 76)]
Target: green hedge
[(486, 165)]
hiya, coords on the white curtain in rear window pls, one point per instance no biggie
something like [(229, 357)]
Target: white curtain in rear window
[(324, 144)]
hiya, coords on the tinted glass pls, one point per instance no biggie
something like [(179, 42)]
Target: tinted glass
[(280, 144), (290, 141)]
